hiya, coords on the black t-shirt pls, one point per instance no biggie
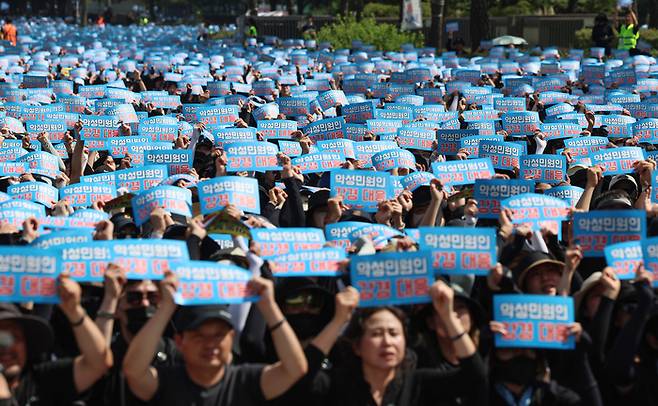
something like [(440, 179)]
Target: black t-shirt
[(113, 389), (239, 386), (49, 383)]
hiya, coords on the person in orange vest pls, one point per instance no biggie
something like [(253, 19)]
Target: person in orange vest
[(9, 32)]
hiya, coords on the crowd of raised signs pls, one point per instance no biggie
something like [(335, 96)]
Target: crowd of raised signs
[(194, 222)]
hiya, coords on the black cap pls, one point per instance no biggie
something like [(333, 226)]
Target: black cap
[(191, 317)]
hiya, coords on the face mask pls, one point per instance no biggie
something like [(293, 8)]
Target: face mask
[(305, 325), (519, 370), (138, 317)]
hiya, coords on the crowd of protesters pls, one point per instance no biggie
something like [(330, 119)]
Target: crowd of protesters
[(309, 339)]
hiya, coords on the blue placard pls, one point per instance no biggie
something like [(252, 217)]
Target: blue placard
[(107, 178), (449, 140), (507, 104), (15, 212), (570, 194), (471, 144), (252, 156), (650, 258), (28, 275), (394, 158), (490, 192), (416, 138), (281, 241), (99, 127), (203, 283), (556, 131), (534, 321), (177, 161), (331, 98), (646, 130), (62, 238), (13, 168), (85, 194), (337, 234), (520, 123), (617, 161), (537, 211), (597, 229), (319, 162), (543, 168), (453, 173), (415, 180), (394, 278), (625, 257), (326, 129), (138, 179), (381, 126), (322, 262), (38, 192), (55, 128), (294, 106), (341, 146), (361, 189), (359, 112), (91, 215), (42, 163), (503, 155), (147, 259), (213, 115), (159, 132), (276, 128), (224, 136), (173, 199), (216, 193), (378, 233), (460, 250), (87, 261)]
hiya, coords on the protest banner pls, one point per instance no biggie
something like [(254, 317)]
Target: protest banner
[(87, 261), (170, 198), (85, 194), (599, 228), (453, 173), (503, 155), (490, 192), (624, 258), (537, 211), (274, 242), (543, 168), (460, 250), (394, 278), (211, 283), (361, 190), (217, 193), (252, 156), (312, 263), (570, 194), (28, 275), (534, 321)]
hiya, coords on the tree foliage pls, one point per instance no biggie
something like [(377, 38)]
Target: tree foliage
[(385, 37)]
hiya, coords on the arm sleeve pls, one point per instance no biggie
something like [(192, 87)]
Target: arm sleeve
[(598, 331), (469, 381), (619, 363), (54, 380), (293, 209)]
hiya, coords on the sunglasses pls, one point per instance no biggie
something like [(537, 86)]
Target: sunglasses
[(136, 298), (305, 300)]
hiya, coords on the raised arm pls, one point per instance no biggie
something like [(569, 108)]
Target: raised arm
[(277, 378), (115, 279), (95, 355), (346, 302), (142, 378)]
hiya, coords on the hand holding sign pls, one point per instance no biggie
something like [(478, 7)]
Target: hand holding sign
[(346, 301), (70, 293)]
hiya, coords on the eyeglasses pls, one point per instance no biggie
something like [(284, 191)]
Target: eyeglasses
[(136, 298)]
